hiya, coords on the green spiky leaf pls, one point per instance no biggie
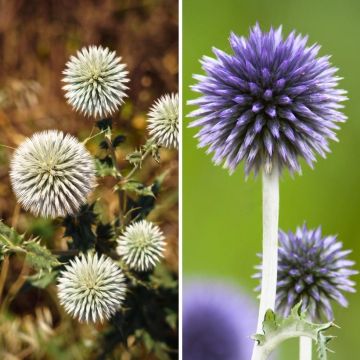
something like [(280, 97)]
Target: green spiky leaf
[(135, 158), (38, 256), (277, 329), (9, 238), (43, 280), (138, 188), (104, 168)]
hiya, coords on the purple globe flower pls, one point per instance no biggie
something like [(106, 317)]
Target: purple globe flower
[(217, 321), (312, 268), (272, 101)]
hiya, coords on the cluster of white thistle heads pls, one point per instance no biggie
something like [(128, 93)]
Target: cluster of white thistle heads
[(52, 175)]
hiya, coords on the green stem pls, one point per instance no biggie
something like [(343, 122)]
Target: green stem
[(93, 136), (113, 157), (136, 167)]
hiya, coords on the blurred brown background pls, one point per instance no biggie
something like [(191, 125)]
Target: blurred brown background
[(36, 40)]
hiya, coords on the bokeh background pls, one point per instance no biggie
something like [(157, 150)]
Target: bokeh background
[(36, 40), (222, 213)]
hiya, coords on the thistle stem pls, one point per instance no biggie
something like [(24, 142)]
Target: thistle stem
[(91, 136), (16, 286), (113, 157), (136, 167), (305, 348), (270, 247), (3, 274)]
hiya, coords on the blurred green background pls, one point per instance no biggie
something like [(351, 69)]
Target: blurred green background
[(222, 213)]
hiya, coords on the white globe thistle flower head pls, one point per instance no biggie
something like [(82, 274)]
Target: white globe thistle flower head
[(142, 245), (95, 81), (52, 174), (163, 121), (91, 288)]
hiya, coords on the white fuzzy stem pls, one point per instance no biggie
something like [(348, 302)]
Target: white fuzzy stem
[(305, 347), (270, 247)]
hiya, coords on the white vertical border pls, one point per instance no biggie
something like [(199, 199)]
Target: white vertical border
[(180, 182)]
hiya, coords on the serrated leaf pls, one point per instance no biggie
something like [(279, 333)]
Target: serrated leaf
[(135, 158), (141, 207), (322, 349), (9, 237), (296, 311), (39, 257), (43, 280), (152, 148), (103, 168), (270, 323), (277, 329), (138, 188)]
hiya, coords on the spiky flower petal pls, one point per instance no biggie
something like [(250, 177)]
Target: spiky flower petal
[(95, 81), (141, 245), (217, 320), (163, 121), (91, 288), (314, 269), (272, 101), (52, 174)]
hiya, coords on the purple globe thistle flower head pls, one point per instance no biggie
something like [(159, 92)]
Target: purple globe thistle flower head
[(272, 101), (217, 321), (314, 269)]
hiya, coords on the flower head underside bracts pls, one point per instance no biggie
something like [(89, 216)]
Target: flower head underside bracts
[(141, 245), (52, 174), (163, 121), (273, 100), (217, 320), (95, 81), (91, 288), (314, 269)]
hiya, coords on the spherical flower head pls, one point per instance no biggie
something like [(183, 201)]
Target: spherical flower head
[(52, 174), (95, 81), (268, 104), (314, 269), (91, 288), (141, 245), (217, 321), (163, 121)]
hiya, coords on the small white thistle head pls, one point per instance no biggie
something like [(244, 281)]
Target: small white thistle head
[(51, 174), (95, 81), (91, 288), (142, 245), (163, 121)]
